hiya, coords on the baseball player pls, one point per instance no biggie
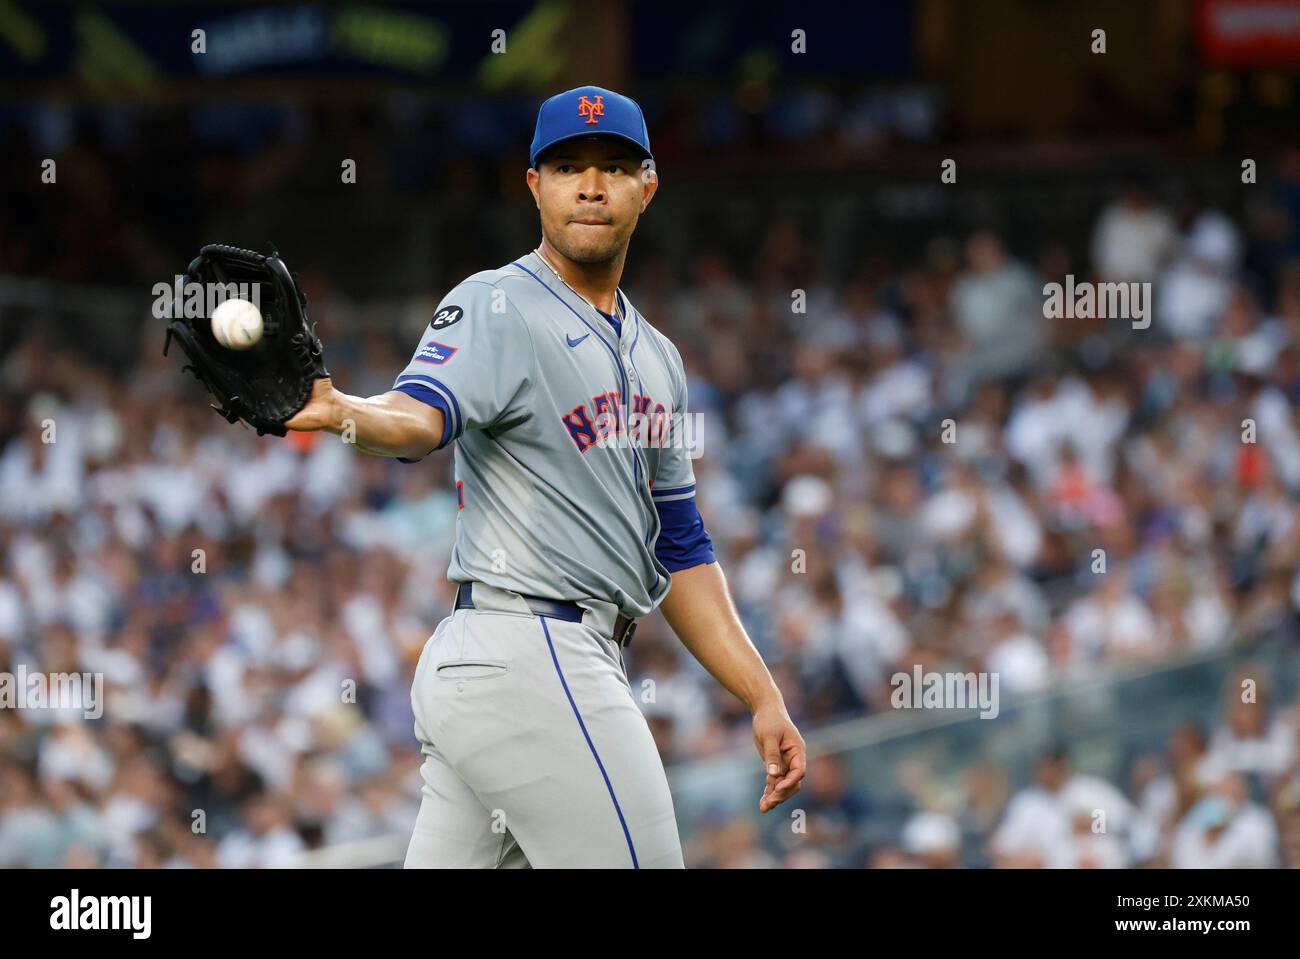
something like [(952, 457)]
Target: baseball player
[(576, 517)]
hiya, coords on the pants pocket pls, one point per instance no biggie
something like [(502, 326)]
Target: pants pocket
[(462, 669)]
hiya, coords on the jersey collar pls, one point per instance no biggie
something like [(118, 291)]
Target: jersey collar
[(623, 308)]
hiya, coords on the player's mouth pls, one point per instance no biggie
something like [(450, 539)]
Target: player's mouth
[(590, 221)]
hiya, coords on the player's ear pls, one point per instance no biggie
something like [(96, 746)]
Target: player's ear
[(534, 180), (649, 182)]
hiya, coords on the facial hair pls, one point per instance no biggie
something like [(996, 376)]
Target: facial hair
[(614, 246)]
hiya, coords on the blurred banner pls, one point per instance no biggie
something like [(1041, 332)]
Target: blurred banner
[(1250, 33), (151, 42), (677, 38), (143, 44)]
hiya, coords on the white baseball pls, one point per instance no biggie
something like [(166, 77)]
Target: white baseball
[(237, 324)]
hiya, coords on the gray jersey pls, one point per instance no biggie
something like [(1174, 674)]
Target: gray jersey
[(565, 436)]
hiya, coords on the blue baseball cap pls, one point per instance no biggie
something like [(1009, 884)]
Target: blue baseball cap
[(585, 112)]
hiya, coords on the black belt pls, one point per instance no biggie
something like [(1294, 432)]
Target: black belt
[(555, 609)]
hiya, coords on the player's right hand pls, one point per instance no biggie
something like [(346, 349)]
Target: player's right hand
[(785, 756), (319, 413)]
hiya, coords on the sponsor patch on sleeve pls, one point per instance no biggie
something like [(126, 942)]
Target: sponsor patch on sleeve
[(435, 353)]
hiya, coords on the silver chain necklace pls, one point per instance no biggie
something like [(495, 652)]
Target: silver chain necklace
[(617, 312)]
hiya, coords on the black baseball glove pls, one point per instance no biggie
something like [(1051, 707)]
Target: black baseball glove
[(270, 381)]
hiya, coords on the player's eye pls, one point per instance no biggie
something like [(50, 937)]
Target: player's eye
[(564, 168), (613, 168)]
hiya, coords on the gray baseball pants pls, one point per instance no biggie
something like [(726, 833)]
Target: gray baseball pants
[(535, 752)]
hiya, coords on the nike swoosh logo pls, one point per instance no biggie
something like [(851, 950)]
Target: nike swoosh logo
[(572, 342)]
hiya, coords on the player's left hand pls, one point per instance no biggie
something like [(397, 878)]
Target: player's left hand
[(783, 751)]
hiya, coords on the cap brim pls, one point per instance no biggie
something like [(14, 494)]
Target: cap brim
[(541, 154)]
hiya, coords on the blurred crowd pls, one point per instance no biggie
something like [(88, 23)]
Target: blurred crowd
[(1221, 795), (907, 465)]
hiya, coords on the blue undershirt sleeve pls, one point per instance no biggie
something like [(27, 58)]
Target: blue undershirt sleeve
[(683, 541), (425, 395)]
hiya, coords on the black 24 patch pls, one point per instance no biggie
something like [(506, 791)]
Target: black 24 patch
[(446, 317)]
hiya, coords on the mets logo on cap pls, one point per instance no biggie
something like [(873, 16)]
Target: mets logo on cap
[(591, 109), (573, 113)]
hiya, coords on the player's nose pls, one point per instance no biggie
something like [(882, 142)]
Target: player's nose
[(591, 188)]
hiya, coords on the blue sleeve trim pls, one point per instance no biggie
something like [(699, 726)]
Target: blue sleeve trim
[(683, 541), (458, 422), (434, 399), (673, 491)]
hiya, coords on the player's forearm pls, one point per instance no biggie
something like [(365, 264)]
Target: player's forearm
[(390, 424), (700, 611)]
